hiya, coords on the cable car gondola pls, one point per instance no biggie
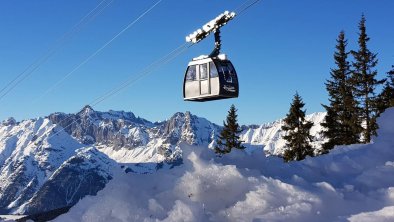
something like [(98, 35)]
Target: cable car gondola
[(210, 77)]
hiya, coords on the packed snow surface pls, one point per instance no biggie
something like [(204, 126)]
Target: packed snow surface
[(352, 183)]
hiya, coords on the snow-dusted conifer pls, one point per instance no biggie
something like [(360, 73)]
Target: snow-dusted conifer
[(386, 97), (342, 125), (297, 130), (365, 82), (229, 136)]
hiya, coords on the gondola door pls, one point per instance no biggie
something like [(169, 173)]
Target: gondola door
[(204, 79)]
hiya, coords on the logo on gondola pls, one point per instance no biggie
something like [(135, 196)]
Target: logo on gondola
[(229, 88)]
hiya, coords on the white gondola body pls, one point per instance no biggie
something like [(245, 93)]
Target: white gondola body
[(209, 79)]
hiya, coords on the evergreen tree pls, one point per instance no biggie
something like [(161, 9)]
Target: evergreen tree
[(365, 82), (386, 97), (332, 126), (297, 130), (229, 136), (341, 122)]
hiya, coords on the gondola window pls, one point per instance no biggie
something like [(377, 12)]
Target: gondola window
[(191, 73)]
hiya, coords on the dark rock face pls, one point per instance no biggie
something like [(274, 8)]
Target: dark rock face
[(185, 127), (171, 129), (109, 128)]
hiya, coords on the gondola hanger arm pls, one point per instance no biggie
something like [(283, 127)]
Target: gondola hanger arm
[(212, 26)]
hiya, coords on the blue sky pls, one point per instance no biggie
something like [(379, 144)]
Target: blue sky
[(277, 46)]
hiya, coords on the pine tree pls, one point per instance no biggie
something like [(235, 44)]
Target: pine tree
[(229, 136), (297, 130), (331, 126), (386, 97), (341, 122), (365, 82)]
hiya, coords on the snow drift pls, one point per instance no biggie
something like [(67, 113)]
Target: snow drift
[(351, 183)]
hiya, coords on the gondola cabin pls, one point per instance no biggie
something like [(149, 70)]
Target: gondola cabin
[(210, 78)]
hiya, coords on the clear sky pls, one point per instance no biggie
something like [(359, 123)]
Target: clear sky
[(277, 46)]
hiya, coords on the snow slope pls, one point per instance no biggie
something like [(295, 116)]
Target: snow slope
[(351, 183), (28, 157)]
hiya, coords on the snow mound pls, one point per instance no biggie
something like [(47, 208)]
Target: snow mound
[(384, 215)]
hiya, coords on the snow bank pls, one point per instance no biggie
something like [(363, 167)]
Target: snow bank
[(384, 215), (352, 183)]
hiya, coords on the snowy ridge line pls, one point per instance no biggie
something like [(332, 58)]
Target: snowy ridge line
[(60, 43), (145, 137)]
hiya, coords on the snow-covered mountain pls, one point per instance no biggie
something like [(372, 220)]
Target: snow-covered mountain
[(129, 139), (123, 136), (270, 135), (43, 167), (52, 162)]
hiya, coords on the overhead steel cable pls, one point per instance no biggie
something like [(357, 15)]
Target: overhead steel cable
[(55, 47), (149, 69), (243, 8), (97, 51), (243, 5)]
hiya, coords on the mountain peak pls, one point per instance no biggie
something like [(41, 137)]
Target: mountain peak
[(87, 109), (9, 121), (88, 112)]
